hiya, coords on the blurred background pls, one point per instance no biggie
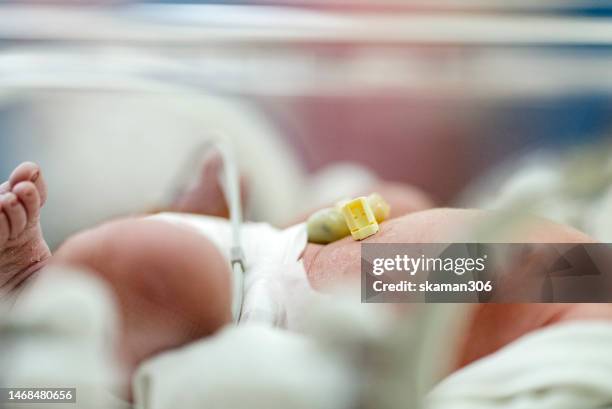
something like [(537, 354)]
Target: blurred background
[(114, 98)]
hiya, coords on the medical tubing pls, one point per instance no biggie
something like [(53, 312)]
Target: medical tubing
[(231, 189)]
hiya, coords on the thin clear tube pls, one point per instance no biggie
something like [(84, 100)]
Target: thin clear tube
[(230, 183)]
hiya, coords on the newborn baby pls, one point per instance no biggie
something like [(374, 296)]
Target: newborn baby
[(172, 283)]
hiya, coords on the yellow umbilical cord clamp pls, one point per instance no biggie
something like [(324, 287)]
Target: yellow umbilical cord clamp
[(360, 218), (330, 224)]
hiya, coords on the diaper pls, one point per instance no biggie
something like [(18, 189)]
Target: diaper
[(276, 284)]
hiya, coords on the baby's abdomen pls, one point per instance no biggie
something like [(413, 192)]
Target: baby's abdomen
[(335, 263)]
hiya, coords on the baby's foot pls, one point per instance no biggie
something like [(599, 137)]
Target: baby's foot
[(23, 250), (205, 196)]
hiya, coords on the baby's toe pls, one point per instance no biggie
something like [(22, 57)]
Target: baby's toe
[(15, 213), (5, 188), (5, 228), (25, 171), (30, 172), (30, 199)]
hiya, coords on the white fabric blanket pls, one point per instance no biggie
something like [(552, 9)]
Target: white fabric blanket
[(562, 367), (246, 367), (61, 331), (565, 366), (60, 334)]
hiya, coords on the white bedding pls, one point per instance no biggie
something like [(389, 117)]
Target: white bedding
[(246, 367), (59, 334), (565, 366), (69, 321)]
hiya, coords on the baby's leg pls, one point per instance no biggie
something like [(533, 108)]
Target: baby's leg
[(205, 195), (23, 250), (172, 284)]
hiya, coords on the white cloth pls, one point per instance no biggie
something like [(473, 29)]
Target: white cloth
[(61, 333), (541, 184), (564, 366), (275, 282), (247, 367)]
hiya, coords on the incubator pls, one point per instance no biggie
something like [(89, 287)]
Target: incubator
[(121, 100), (433, 87)]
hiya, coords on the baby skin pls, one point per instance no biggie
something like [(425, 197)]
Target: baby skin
[(173, 286), (23, 250)]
